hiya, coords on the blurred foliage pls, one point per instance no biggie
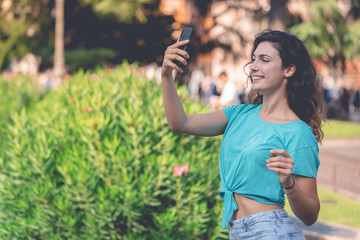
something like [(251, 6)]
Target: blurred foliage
[(135, 41), (137, 31), (125, 11), (88, 25), (10, 32), (330, 35), (95, 160), (20, 24)]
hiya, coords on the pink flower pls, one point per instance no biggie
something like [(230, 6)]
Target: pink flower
[(72, 98), (185, 168), (178, 171), (87, 110)]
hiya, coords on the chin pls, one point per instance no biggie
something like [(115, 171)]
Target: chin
[(256, 89)]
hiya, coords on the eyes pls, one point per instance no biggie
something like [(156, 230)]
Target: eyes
[(263, 59)]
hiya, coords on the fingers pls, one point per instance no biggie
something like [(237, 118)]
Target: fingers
[(275, 152), (178, 44), (172, 53), (281, 171), (173, 57), (176, 50), (279, 166), (280, 161), (282, 164), (172, 65), (169, 62)]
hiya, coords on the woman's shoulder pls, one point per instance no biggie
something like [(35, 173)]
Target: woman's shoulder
[(241, 107), (300, 135)]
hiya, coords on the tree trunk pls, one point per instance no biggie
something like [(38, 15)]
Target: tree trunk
[(59, 69), (277, 15)]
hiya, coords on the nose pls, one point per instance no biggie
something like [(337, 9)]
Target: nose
[(253, 66)]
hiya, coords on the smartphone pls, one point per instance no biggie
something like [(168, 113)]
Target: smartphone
[(185, 35)]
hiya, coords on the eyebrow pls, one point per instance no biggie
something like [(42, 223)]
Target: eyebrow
[(262, 55)]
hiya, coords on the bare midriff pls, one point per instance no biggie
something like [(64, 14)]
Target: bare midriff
[(248, 206)]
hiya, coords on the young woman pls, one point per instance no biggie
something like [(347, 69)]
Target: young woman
[(269, 148)]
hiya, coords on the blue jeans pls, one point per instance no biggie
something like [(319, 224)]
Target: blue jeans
[(265, 225)]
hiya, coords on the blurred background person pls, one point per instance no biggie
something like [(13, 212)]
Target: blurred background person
[(228, 94), (197, 77)]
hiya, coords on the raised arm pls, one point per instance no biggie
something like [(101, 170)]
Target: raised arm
[(209, 124)]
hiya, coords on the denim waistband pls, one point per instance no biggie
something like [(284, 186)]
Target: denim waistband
[(249, 220)]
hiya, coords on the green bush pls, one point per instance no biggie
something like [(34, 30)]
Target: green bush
[(15, 94), (95, 160)]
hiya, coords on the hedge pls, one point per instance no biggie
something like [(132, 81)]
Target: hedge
[(96, 160)]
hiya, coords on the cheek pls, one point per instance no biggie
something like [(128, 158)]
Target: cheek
[(273, 70)]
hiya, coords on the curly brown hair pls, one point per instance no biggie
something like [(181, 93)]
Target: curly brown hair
[(303, 89)]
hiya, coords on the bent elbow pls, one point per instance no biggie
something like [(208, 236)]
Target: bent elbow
[(313, 216), (310, 221), (175, 128)]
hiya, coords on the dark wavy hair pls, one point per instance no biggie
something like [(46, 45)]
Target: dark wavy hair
[(303, 89)]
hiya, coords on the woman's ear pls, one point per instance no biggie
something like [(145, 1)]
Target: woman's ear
[(290, 70)]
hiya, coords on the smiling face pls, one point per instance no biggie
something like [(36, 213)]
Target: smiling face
[(267, 72)]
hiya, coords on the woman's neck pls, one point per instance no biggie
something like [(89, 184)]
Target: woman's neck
[(276, 108)]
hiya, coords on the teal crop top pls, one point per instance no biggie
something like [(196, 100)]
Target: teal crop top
[(246, 146)]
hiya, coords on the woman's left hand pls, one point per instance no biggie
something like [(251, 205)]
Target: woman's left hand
[(282, 165)]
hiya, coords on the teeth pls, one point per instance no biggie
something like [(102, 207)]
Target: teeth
[(256, 78)]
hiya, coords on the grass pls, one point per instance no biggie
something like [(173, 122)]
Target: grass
[(336, 208), (344, 209), (335, 128)]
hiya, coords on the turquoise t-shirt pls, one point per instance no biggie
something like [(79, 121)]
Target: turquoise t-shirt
[(246, 146)]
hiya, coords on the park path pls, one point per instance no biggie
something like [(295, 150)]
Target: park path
[(328, 231)]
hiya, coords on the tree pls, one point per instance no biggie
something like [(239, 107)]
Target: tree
[(331, 35), (59, 61), (277, 15)]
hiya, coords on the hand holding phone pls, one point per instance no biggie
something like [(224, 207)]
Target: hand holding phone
[(176, 53), (185, 35)]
